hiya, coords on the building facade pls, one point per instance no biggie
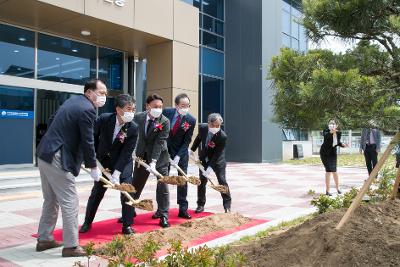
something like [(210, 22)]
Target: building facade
[(216, 51), (50, 48)]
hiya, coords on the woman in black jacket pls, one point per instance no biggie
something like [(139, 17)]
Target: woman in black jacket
[(328, 154)]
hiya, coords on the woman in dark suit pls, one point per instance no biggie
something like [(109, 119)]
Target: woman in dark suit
[(328, 154)]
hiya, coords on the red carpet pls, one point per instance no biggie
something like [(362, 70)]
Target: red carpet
[(104, 231)]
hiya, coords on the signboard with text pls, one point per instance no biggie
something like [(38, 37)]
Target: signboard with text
[(15, 114)]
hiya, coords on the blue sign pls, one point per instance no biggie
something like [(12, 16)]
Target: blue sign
[(15, 114)]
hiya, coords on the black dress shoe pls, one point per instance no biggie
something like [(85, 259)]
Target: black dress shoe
[(128, 230), (164, 222), (119, 220), (85, 227), (199, 209), (228, 210), (156, 215), (184, 214)]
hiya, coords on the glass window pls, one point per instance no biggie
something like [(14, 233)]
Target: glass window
[(214, 8), (15, 98), (196, 3), (295, 28), (190, 2), (213, 41), (17, 51), (295, 44), (63, 60), (303, 39), (213, 96), (286, 5), (285, 40), (111, 68), (213, 25), (286, 22), (213, 62)]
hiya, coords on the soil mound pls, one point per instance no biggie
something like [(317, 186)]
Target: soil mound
[(370, 238)]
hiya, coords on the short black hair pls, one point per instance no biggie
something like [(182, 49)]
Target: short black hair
[(91, 84), (179, 97), (153, 97), (124, 99)]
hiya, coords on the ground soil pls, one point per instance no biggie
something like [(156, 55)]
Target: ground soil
[(188, 231), (370, 238)]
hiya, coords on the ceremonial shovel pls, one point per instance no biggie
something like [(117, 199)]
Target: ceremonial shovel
[(191, 179), (172, 180), (146, 204), (220, 188)]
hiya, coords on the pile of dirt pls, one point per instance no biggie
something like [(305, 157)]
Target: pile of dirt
[(370, 238), (188, 231)]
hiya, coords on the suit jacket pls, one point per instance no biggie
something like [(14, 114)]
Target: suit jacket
[(71, 131), (153, 144), (327, 147), (178, 144), (213, 153), (117, 154), (365, 138)]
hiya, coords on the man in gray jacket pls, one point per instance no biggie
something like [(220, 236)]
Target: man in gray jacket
[(68, 142), (370, 145)]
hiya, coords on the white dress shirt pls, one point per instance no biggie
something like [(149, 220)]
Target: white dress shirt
[(117, 128)]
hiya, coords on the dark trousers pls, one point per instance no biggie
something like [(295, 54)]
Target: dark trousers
[(201, 189), (140, 176), (97, 195), (371, 157), (182, 190)]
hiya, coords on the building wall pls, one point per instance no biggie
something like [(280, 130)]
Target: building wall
[(243, 82)]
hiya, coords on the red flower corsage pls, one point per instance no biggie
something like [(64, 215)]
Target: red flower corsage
[(185, 126), (158, 127), (121, 136), (211, 144)]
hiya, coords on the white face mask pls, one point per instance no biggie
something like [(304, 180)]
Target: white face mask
[(183, 111), (332, 126), (100, 101), (156, 112), (128, 116), (214, 130)]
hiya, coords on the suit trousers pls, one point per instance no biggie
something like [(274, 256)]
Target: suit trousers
[(371, 157), (140, 176), (181, 190), (220, 172), (97, 195), (59, 191)]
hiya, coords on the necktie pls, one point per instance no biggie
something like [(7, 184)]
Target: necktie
[(176, 125), (149, 125)]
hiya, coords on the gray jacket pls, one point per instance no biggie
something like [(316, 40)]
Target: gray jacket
[(365, 138), (154, 143)]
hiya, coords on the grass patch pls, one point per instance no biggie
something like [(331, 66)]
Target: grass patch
[(285, 225), (344, 160)]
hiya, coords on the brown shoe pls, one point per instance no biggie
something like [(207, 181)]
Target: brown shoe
[(45, 245), (73, 252)]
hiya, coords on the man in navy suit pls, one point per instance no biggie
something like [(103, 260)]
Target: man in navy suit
[(180, 136), (67, 143), (211, 142), (115, 138)]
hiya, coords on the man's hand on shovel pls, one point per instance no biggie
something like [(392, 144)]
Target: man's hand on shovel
[(217, 187), (172, 180)]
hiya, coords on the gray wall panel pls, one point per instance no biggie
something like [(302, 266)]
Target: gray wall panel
[(243, 80)]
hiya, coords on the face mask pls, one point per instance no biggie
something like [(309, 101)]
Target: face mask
[(155, 112), (332, 126), (183, 111), (100, 101), (128, 116), (214, 130)]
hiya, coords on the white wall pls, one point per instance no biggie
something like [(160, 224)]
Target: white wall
[(287, 148)]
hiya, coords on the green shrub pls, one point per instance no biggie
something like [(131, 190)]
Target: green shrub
[(325, 203)]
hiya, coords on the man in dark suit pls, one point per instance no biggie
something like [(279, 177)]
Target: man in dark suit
[(211, 142), (67, 143), (152, 147), (370, 145), (115, 138), (180, 136)]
